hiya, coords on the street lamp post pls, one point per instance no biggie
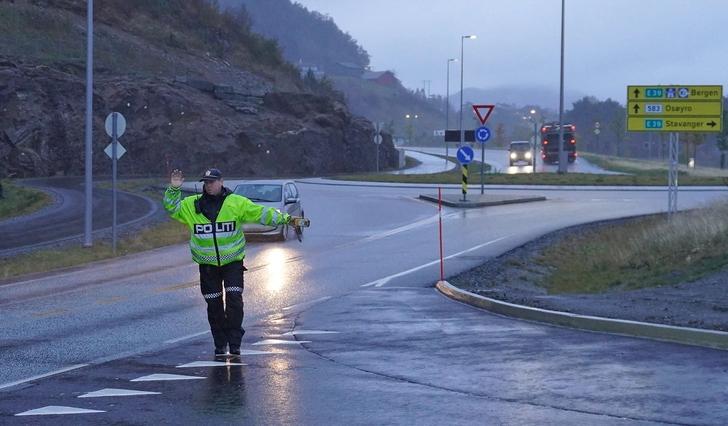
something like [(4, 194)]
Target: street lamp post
[(562, 156), (535, 139), (447, 105), (462, 43), (412, 127), (87, 240)]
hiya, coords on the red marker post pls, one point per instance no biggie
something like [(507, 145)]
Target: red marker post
[(439, 209)]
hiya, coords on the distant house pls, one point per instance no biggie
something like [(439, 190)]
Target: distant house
[(305, 69), (348, 69), (385, 78)]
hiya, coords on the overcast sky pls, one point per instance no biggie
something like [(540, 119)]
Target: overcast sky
[(609, 43)]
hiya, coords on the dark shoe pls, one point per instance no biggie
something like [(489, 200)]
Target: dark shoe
[(235, 350), (220, 352)]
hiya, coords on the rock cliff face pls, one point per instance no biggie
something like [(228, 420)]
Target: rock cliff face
[(175, 123)]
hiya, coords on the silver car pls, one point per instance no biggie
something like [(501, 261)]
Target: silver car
[(281, 195)]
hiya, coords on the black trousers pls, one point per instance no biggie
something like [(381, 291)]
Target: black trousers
[(225, 315)]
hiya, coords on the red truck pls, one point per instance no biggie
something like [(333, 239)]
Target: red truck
[(550, 142)]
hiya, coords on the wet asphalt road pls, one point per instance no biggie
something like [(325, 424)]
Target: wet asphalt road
[(64, 219), (404, 354), (498, 159)]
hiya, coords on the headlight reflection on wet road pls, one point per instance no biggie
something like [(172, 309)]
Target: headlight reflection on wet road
[(277, 270)]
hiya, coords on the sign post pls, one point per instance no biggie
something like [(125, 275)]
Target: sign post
[(378, 139), (482, 134), (674, 109), (115, 127), (465, 156)]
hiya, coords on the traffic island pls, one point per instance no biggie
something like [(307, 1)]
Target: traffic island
[(685, 335), (484, 200)]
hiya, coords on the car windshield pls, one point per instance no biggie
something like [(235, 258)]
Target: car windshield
[(520, 147), (259, 192)]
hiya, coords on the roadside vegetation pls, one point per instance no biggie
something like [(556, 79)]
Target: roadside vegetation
[(19, 200), (636, 174), (649, 167), (644, 252), (162, 234), (569, 179)]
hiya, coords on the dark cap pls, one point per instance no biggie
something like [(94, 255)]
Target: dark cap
[(211, 174)]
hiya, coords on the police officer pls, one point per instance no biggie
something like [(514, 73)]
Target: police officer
[(217, 243)]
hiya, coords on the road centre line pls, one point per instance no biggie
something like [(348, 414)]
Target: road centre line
[(382, 281), (409, 227)]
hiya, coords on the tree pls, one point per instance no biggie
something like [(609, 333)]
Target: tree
[(618, 127), (500, 135), (691, 141), (589, 110), (722, 138)]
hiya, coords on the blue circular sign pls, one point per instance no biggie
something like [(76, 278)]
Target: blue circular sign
[(482, 134), (465, 154)]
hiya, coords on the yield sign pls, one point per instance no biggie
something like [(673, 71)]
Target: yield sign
[(487, 109)]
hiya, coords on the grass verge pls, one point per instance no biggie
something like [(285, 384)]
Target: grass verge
[(649, 167), (44, 260), (20, 200), (570, 179), (645, 252), (162, 234)]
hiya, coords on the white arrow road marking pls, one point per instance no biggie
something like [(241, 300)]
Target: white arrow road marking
[(382, 281), (116, 392), (57, 409), (165, 377)]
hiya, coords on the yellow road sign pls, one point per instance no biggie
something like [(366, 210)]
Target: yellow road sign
[(680, 109), (674, 124), (674, 108), (677, 93)]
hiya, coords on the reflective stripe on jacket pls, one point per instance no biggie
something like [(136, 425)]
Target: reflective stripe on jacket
[(221, 242)]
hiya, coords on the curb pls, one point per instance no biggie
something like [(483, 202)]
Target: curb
[(496, 201), (572, 188), (685, 335)]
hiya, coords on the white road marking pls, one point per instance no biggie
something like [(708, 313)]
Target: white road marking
[(322, 299), (41, 376), (165, 377), (409, 227), (249, 352), (189, 336), (57, 409), (280, 342), (298, 332), (382, 281), (116, 392), (209, 364)]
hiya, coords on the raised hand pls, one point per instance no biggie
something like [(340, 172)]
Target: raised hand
[(177, 178)]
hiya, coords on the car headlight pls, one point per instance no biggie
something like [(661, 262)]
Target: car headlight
[(528, 155), (513, 156)]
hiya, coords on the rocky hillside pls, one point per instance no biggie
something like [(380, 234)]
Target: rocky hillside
[(197, 87)]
